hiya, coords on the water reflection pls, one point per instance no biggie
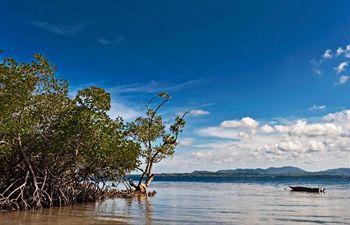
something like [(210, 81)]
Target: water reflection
[(210, 203), (136, 210)]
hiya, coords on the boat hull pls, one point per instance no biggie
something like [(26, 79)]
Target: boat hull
[(307, 189)]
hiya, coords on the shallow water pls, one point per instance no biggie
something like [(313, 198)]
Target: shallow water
[(205, 203)]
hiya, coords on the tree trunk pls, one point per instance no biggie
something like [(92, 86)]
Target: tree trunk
[(149, 180)]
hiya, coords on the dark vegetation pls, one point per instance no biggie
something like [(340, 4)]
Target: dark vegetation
[(59, 150)]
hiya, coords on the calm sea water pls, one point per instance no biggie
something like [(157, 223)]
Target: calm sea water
[(210, 201)]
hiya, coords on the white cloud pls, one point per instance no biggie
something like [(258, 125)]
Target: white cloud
[(317, 107), (327, 54), (340, 51), (341, 67), (222, 133), (282, 128), (299, 139), (153, 87), (343, 80), (232, 129), (320, 144), (316, 146), (214, 156), (59, 29), (244, 122), (347, 52), (290, 146), (186, 142), (338, 117), (301, 127), (320, 65), (341, 119), (199, 112), (119, 109), (267, 129), (201, 155)]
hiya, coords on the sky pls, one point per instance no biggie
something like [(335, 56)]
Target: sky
[(267, 82)]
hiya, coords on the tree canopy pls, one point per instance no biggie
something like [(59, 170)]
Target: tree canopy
[(54, 149)]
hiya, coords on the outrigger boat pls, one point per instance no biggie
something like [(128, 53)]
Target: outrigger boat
[(307, 189)]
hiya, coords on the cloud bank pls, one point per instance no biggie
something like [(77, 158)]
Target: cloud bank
[(247, 141)]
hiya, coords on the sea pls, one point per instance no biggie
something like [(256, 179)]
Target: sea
[(209, 200)]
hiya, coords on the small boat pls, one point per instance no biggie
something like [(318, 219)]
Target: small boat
[(307, 189)]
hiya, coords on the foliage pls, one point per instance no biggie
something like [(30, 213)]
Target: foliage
[(156, 141), (53, 149)]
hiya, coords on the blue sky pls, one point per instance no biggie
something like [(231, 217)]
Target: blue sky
[(227, 60)]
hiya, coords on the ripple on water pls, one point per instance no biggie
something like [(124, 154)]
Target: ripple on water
[(204, 203)]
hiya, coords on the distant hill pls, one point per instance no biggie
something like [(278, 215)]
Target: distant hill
[(268, 171), (284, 171), (336, 172)]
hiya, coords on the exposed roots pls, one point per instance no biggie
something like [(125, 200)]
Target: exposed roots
[(22, 194)]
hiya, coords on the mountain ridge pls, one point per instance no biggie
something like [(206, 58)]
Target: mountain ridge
[(283, 171)]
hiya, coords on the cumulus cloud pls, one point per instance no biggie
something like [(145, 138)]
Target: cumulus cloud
[(298, 139), (199, 112), (327, 54), (316, 146), (244, 122), (282, 128), (220, 132), (340, 51), (338, 117), (302, 128), (343, 80), (290, 146), (267, 129), (341, 67), (232, 129), (328, 60)]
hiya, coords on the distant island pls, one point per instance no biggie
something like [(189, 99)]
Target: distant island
[(271, 171)]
